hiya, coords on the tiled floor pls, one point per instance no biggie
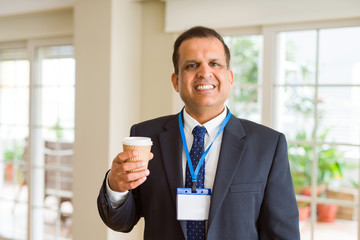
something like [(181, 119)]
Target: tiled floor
[(338, 230), (13, 222), (13, 216)]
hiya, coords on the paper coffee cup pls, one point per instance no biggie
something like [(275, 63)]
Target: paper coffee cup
[(142, 145)]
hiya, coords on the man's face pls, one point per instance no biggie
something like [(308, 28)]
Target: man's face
[(204, 80)]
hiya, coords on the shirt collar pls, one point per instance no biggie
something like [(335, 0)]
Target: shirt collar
[(212, 126)]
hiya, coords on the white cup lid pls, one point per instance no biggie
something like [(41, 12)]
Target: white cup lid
[(137, 141)]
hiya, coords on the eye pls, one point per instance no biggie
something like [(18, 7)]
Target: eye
[(191, 66), (215, 64)]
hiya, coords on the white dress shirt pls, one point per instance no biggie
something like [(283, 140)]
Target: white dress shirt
[(211, 161), (212, 127)]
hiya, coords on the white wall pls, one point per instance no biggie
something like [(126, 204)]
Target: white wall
[(39, 25), (156, 87), (239, 13), (123, 76), (92, 24)]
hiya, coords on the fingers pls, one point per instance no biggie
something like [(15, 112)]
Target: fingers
[(122, 176), (121, 157), (127, 180), (151, 156)]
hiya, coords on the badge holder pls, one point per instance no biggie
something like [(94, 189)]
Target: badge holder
[(193, 205)]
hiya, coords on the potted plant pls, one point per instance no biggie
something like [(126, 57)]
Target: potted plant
[(15, 152), (330, 168)]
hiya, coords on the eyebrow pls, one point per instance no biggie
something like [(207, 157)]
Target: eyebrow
[(191, 61), (196, 61)]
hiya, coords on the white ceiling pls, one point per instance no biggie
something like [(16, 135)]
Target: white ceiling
[(13, 7)]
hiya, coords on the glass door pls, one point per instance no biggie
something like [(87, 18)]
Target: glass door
[(52, 134), (14, 132)]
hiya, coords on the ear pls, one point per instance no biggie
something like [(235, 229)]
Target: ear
[(175, 81), (231, 77)]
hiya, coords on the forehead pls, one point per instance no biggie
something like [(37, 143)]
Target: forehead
[(200, 48)]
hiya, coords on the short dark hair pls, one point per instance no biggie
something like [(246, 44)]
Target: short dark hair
[(197, 32)]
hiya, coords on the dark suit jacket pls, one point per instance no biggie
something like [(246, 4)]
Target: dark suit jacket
[(252, 198)]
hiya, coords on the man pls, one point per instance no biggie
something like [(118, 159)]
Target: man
[(246, 166)]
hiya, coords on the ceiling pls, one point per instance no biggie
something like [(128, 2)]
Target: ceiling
[(15, 7)]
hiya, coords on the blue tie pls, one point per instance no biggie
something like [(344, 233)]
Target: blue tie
[(196, 229)]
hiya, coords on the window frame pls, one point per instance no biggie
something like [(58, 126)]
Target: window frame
[(268, 73)]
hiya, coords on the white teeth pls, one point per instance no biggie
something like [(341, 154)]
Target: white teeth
[(202, 87)]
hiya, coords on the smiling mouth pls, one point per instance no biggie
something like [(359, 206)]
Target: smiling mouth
[(204, 87)]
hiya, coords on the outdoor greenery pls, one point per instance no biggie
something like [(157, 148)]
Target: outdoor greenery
[(13, 152), (330, 162), (245, 53)]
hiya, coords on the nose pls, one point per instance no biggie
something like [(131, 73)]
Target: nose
[(204, 71)]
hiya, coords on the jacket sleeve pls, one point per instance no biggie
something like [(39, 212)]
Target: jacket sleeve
[(279, 217), (122, 218)]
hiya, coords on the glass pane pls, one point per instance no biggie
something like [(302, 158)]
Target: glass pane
[(14, 68), (57, 66), (246, 103), (13, 219), (295, 112), (301, 161), (338, 172), (339, 55), (297, 57), (246, 57), (339, 114)]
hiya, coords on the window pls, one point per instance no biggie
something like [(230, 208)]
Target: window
[(309, 89), (317, 97), (37, 134), (245, 100)]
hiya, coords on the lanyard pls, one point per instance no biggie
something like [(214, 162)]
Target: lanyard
[(202, 159)]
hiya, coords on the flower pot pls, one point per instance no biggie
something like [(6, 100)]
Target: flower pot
[(327, 212), (307, 190), (304, 213), (9, 171)]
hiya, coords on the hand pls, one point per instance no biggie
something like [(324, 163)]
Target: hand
[(120, 179)]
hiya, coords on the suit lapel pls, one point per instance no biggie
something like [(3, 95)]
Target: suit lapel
[(171, 149), (232, 148)]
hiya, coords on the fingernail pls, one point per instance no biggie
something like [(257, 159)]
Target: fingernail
[(135, 152), (143, 163)]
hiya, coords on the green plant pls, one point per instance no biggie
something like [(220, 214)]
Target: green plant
[(300, 157), (15, 151), (330, 164), (58, 130)]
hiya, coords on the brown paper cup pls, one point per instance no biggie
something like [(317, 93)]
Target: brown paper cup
[(142, 145)]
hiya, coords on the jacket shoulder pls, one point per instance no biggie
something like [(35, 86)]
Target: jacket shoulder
[(152, 126), (255, 129)]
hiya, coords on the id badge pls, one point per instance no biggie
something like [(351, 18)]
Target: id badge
[(193, 206)]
